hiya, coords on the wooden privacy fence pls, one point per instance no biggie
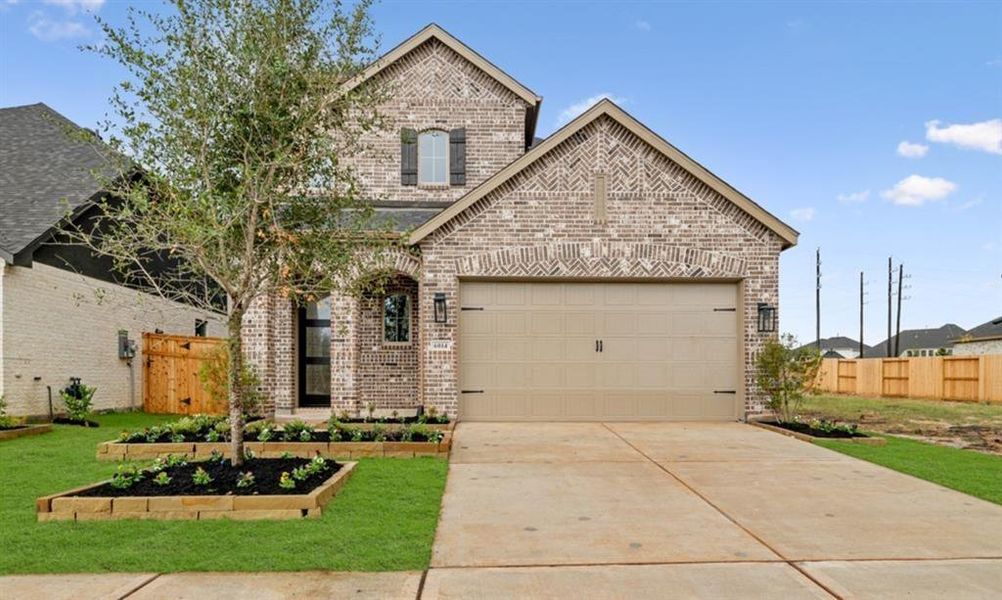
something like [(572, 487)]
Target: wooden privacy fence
[(964, 378), (170, 374)]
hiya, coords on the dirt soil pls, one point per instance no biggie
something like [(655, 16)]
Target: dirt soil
[(955, 424)]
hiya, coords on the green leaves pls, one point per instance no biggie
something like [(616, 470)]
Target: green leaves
[(785, 373)]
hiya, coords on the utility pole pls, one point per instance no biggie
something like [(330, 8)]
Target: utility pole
[(817, 299), (890, 277), (861, 314), (897, 336)]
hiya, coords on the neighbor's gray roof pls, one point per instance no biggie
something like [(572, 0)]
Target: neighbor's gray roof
[(941, 337), (986, 331), (45, 170), (839, 341)]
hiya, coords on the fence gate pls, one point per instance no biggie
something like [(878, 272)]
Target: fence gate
[(170, 374)]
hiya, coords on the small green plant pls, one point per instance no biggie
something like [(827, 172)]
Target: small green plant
[(175, 460), (177, 438), (357, 435), (829, 426), (162, 478), (213, 436), (344, 415), (371, 408), (786, 373), (286, 482), (245, 480), (297, 431), (378, 433), (249, 455), (216, 456), (287, 455), (301, 473), (78, 399), (201, 477), (126, 476), (6, 422)]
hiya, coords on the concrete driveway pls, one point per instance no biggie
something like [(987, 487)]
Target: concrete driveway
[(697, 510)]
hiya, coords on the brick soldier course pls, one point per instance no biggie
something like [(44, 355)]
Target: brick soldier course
[(523, 210)]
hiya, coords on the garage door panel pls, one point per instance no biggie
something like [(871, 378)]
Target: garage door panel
[(532, 351), (510, 348), (507, 322)]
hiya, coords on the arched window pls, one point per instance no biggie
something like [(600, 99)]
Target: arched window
[(433, 157)]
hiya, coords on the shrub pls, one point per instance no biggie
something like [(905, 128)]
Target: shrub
[(78, 399), (297, 431), (245, 480), (214, 375), (785, 373), (162, 478), (286, 482), (5, 421)]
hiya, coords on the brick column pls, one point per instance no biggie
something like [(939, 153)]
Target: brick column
[(345, 314)]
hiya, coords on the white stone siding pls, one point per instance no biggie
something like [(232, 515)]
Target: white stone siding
[(976, 348), (57, 324)]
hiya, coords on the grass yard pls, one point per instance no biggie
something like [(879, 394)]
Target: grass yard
[(973, 473), (956, 424), (383, 520)]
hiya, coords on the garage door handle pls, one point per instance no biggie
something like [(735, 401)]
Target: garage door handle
[(471, 391), (725, 391), (601, 346)]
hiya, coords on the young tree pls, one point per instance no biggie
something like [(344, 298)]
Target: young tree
[(236, 122), (785, 373)]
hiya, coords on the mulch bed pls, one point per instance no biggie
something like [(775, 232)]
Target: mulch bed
[(389, 435), (806, 429), (267, 472), (81, 423)]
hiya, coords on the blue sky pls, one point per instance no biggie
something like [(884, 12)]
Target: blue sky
[(803, 107)]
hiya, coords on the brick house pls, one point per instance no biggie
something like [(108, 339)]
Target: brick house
[(597, 274), (61, 309)]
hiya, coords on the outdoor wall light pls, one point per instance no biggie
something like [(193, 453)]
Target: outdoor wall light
[(440, 315), (766, 317)]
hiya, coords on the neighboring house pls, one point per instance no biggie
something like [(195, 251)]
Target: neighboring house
[(599, 273), (61, 309), (920, 342), (838, 347), (983, 339)]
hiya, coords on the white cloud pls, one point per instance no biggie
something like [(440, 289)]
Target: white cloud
[(916, 190), (643, 25), (970, 203), (74, 6), (50, 30), (577, 108), (985, 136), (910, 150), (854, 197), (803, 214)]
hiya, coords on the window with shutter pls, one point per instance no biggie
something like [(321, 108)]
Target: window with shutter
[(408, 157), (432, 157), (457, 157)]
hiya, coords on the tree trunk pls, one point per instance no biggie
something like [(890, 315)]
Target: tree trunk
[(235, 343)]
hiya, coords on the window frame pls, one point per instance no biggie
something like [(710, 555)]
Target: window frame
[(408, 315), (436, 134)]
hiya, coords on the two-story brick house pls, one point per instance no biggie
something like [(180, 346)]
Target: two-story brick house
[(597, 274)]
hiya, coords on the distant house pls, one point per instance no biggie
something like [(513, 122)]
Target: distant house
[(920, 342), (983, 339), (838, 347), (61, 308)]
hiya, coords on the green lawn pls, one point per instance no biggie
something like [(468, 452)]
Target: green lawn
[(383, 520), (970, 472)]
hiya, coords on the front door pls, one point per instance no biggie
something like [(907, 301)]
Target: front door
[(315, 353)]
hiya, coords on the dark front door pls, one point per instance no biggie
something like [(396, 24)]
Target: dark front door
[(315, 353)]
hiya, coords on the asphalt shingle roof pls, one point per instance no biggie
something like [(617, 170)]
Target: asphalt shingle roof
[(941, 337), (45, 170), (990, 330)]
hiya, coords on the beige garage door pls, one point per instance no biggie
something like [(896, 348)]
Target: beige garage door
[(588, 351)]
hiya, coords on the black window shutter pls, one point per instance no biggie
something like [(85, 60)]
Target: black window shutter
[(408, 157), (457, 157)]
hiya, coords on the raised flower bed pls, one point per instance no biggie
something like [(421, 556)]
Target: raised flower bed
[(16, 431), (284, 488), (199, 437), (816, 429)]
